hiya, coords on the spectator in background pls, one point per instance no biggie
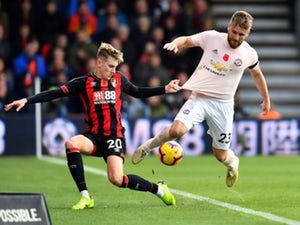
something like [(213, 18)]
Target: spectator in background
[(110, 30), (173, 21), (198, 16), (23, 14), (155, 104), (83, 20), (56, 66), (6, 85), (62, 42), (142, 33), (5, 48), (157, 69), (116, 43), (90, 64), (50, 24), (111, 9), (80, 51), (26, 66), (3, 90), (21, 39), (74, 5), (128, 46), (4, 21), (139, 9), (140, 74), (158, 37)]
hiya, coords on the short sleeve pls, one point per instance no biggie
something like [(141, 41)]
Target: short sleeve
[(202, 38)]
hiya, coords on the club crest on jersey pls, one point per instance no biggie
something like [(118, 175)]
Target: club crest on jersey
[(113, 82), (238, 62), (186, 111), (104, 83)]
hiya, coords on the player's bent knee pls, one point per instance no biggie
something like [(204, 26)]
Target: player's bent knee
[(177, 129), (115, 180), (175, 132), (71, 144)]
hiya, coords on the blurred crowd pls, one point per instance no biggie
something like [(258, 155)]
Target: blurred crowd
[(57, 40)]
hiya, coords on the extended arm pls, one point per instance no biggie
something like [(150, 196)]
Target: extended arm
[(180, 42), (145, 92), (44, 96), (261, 86)]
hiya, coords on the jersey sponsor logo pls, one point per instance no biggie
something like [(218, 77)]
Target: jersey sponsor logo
[(238, 62), (104, 97), (219, 66)]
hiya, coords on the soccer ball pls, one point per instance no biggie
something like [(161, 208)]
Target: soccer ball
[(170, 153)]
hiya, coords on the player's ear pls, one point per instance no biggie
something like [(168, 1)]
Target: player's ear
[(99, 61)]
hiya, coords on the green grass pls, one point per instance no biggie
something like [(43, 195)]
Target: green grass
[(269, 184)]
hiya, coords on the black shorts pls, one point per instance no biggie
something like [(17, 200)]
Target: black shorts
[(106, 146)]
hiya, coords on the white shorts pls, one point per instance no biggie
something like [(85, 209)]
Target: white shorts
[(217, 113)]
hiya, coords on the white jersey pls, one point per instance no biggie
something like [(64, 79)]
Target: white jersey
[(221, 67)]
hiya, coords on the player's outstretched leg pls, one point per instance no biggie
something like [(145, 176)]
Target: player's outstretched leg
[(141, 152), (84, 203), (167, 197), (232, 172), (160, 189), (145, 149)]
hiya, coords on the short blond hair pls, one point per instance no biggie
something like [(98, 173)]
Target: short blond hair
[(105, 50), (243, 19)]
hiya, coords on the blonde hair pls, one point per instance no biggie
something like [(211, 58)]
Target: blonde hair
[(243, 19), (105, 50)]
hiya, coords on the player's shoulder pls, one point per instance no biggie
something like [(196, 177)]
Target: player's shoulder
[(248, 47), (121, 75), (212, 35), (79, 79)]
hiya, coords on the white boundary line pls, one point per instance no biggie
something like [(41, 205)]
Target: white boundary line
[(268, 216)]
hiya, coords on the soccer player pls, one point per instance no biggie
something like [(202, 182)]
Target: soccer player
[(213, 84), (101, 94)]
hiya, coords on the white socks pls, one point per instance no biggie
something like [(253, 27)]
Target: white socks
[(230, 159), (86, 194), (160, 191)]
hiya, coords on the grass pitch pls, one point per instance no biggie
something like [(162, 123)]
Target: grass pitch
[(266, 184)]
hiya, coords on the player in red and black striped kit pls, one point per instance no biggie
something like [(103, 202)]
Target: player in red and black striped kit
[(101, 94)]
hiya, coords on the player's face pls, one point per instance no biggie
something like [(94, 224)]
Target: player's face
[(106, 67), (236, 35)]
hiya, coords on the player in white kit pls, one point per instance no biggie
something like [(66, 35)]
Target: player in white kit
[(213, 85)]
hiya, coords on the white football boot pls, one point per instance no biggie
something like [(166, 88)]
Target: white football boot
[(140, 153), (232, 172)]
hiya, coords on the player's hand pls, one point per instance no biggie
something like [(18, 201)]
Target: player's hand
[(265, 107), (171, 47), (18, 103), (172, 86)]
